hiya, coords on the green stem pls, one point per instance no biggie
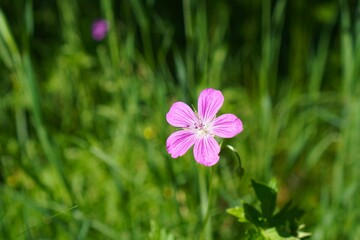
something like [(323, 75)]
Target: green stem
[(206, 200)]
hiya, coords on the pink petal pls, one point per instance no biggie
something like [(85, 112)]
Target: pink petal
[(209, 103), (181, 115), (206, 151), (179, 142), (227, 126)]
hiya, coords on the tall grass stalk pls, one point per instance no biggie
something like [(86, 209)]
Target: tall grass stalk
[(271, 32), (22, 67), (339, 200), (206, 198)]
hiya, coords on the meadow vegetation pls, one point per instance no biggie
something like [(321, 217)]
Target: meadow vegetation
[(83, 128)]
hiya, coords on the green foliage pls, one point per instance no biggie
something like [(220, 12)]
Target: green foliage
[(267, 198), (238, 212), (157, 233), (282, 225)]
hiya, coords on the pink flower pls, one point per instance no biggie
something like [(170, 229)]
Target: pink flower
[(199, 129), (99, 29)]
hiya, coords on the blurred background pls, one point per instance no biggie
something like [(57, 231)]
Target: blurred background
[(82, 114)]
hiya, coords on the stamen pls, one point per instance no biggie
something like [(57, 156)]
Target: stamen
[(199, 126)]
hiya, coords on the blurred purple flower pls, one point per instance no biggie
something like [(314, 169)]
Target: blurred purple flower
[(99, 29), (199, 129)]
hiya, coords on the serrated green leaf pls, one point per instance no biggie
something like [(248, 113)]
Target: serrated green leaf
[(238, 212), (286, 220), (303, 234), (272, 234), (253, 215), (287, 213), (253, 234), (267, 198)]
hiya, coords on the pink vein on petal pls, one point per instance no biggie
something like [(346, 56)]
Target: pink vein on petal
[(227, 126), (179, 142), (206, 151), (181, 115), (209, 103)]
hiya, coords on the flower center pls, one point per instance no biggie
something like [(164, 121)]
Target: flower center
[(201, 129), (199, 126)]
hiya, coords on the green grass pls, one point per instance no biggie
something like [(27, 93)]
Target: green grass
[(83, 129)]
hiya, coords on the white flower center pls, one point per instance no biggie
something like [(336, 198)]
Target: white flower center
[(202, 129)]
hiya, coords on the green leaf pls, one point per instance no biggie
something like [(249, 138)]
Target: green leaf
[(253, 234), (302, 234), (237, 212), (272, 234), (253, 215), (267, 198), (286, 220)]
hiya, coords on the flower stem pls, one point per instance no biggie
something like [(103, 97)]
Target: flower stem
[(206, 202)]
